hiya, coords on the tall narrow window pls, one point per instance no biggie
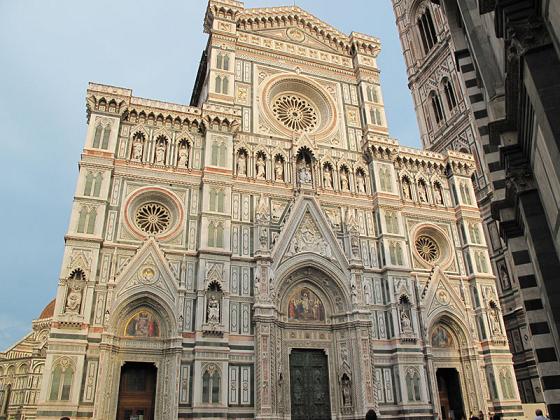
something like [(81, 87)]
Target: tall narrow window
[(97, 136), (437, 107), (91, 220), (449, 94), (226, 62), (221, 196), (223, 152), (61, 382), (211, 386), (220, 236), (211, 234), (427, 30), (106, 135), (219, 60), (212, 200), (97, 185), (82, 220), (89, 184), (225, 86), (215, 152), (218, 84)]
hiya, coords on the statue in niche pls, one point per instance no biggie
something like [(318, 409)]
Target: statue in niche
[(75, 287), (360, 183), (344, 182), (279, 170), (406, 324), (160, 153), (422, 192), (183, 156), (137, 150), (327, 177), (406, 189), (74, 298), (439, 194), (346, 385), (495, 319), (261, 171), (213, 311), (506, 283), (242, 164), (304, 172)]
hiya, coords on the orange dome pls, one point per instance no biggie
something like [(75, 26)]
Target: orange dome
[(48, 312)]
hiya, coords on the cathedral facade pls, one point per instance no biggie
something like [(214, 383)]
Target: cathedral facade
[(266, 252)]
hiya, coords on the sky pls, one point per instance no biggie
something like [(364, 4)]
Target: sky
[(51, 49)]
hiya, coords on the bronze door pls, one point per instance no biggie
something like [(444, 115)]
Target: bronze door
[(137, 392), (309, 385)]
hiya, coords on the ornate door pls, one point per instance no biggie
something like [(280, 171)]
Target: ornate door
[(309, 382), (137, 392)]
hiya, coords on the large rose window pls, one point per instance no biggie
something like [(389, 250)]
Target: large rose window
[(295, 113), (295, 103), (153, 218), (427, 248), (153, 211)]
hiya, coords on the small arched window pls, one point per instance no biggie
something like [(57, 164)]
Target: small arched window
[(218, 84), (427, 30), (437, 107), (61, 381), (449, 94), (225, 85), (211, 386)]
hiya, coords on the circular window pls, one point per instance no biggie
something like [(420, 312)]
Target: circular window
[(153, 211), (297, 103), (152, 218), (427, 248), (295, 113)]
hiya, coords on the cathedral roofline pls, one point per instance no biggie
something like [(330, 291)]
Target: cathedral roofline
[(271, 17), (120, 101)]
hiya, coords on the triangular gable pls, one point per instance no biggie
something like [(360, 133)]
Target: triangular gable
[(440, 293), (148, 269), (22, 348), (276, 21), (308, 231)]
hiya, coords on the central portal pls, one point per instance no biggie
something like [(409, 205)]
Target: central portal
[(309, 379), (137, 392), (450, 398)]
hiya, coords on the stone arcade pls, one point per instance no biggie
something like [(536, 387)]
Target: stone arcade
[(267, 252)]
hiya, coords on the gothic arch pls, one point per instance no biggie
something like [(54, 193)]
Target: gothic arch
[(149, 300), (322, 277), (453, 323)]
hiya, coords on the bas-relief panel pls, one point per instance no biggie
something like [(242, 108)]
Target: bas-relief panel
[(305, 305)]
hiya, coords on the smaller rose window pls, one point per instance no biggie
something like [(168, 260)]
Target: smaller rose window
[(427, 248), (295, 113), (153, 218)]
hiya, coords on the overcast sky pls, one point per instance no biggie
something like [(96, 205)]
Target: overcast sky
[(51, 49)]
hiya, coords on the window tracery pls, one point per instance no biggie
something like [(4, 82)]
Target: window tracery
[(427, 248), (61, 380), (295, 112), (153, 218), (211, 385), (101, 136)]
